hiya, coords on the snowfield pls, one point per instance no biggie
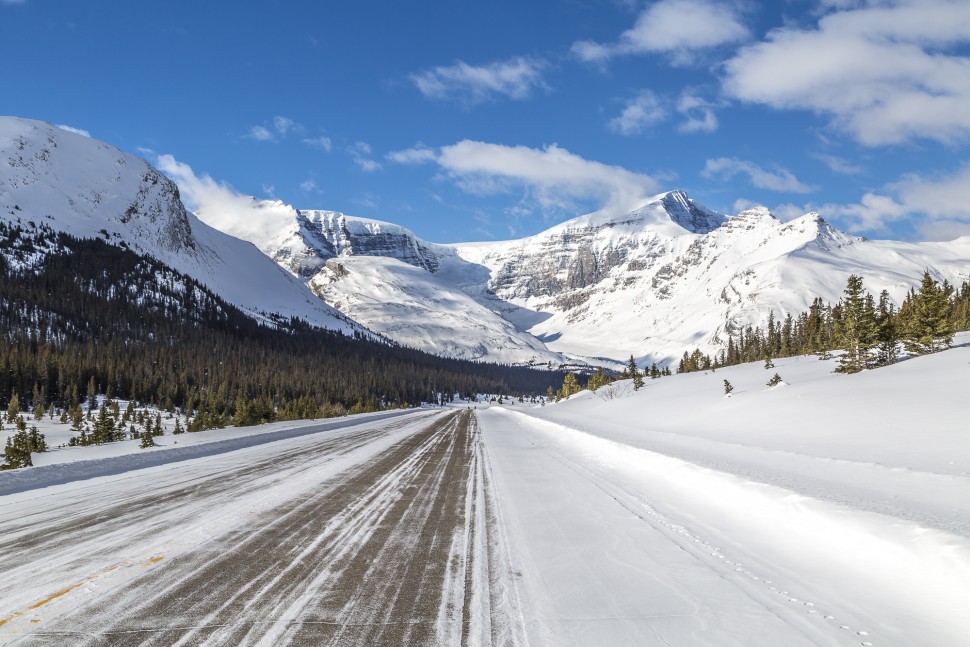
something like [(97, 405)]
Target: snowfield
[(829, 510)]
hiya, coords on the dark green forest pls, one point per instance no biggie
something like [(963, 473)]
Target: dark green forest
[(85, 317)]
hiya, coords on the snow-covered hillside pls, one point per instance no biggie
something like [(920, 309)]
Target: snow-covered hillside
[(382, 275), (650, 286), (669, 276), (839, 501), (87, 188), (666, 277)]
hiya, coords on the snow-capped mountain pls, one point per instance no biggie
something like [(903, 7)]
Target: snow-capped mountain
[(420, 294), (639, 285), (670, 275), (87, 188)]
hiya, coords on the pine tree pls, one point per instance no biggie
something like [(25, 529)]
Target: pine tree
[(634, 374), (768, 363), (775, 380), (147, 440), (927, 326), (728, 387), (857, 327), (886, 331), (570, 385), (13, 409)]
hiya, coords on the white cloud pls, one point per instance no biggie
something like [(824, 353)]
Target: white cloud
[(887, 72), (419, 154), (76, 131), (641, 112), (309, 186), (283, 125), (360, 152), (698, 114), (937, 207), (261, 134), (516, 78), (13, 2), (222, 207), (673, 27), (776, 180), (553, 176), (279, 129), (323, 143), (839, 165)]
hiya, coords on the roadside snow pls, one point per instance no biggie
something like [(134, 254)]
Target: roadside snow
[(839, 504)]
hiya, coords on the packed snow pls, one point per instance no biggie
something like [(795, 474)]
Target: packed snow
[(829, 509)]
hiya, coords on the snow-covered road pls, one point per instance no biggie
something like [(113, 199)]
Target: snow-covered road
[(491, 527), (373, 534)]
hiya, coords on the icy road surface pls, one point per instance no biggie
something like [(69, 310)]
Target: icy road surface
[(464, 528)]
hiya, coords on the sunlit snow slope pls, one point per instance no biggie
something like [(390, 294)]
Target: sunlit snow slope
[(87, 188)]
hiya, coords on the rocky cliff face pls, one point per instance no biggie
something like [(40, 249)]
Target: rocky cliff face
[(79, 183)]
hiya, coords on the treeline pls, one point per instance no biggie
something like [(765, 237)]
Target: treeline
[(870, 330), (80, 317)]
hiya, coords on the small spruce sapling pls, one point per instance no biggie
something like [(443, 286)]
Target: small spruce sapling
[(775, 380), (728, 387), (769, 363)]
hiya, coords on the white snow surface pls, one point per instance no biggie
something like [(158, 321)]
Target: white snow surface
[(87, 188), (669, 276), (841, 503), (831, 510)]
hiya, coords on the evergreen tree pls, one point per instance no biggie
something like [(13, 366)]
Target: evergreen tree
[(13, 409), (635, 374), (147, 440), (927, 326), (728, 387), (857, 327), (775, 380), (768, 363), (570, 386), (886, 332)]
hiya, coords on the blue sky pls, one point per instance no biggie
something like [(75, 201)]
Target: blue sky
[(472, 120)]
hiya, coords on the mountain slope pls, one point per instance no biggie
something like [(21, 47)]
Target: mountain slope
[(668, 276), (417, 293), (87, 188), (615, 288)]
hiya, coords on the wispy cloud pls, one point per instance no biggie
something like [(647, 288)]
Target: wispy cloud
[(676, 28), (779, 179), (275, 131), (838, 165), (516, 79), (553, 177), (698, 114), (937, 207), (639, 113), (418, 154), (361, 152), (72, 129), (886, 72), (12, 2), (322, 143)]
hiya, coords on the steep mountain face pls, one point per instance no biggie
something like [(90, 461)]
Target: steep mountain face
[(668, 276), (633, 287), (417, 293), (89, 189)]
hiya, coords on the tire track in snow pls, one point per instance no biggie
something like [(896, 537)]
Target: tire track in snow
[(363, 559)]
